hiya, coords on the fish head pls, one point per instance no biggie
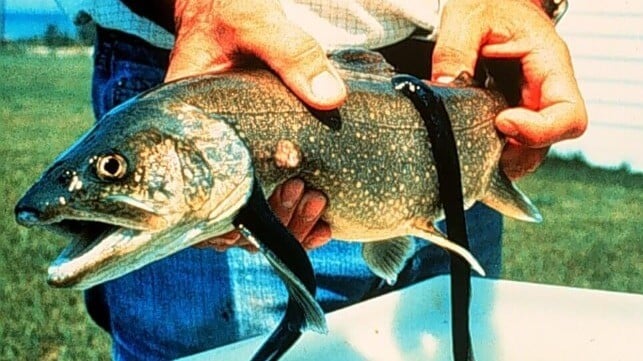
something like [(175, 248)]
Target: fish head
[(149, 179)]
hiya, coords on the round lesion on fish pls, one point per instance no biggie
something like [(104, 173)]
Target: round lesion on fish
[(287, 154)]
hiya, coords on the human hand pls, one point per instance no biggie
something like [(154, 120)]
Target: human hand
[(297, 208), (211, 35), (552, 108)]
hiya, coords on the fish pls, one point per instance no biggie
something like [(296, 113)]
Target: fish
[(173, 166)]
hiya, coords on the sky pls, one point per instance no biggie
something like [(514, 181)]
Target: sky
[(31, 5)]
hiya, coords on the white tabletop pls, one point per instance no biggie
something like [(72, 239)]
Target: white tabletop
[(509, 321)]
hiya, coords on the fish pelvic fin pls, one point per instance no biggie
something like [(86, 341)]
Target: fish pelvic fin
[(506, 198), (314, 319), (387, 258), (428, 232)]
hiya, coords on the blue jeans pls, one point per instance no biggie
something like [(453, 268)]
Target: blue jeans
[(200, 299)]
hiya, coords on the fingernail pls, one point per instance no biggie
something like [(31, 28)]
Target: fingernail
[(312, 207), (288, 199), (445, 79), (507, 128), (291, 192), (325, 86), (313, 242)]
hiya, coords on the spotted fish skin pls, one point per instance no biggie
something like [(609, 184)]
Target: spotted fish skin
[(173, 166), (376, 171)]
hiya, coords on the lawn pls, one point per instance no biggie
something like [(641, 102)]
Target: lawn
[(590, 236)]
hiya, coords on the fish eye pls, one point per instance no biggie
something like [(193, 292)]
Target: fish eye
[(111, 166)]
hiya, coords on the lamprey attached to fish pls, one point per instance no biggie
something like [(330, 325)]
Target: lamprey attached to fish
[(173, 167)]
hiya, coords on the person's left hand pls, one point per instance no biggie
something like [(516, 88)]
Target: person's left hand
[(298, 209), (552, 108)]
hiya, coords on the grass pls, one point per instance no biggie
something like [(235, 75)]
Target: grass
[(590, 236)]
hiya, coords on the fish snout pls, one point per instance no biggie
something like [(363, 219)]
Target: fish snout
[(27, 216)]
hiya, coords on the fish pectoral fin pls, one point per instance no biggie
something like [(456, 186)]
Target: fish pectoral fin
[(428, 232), (506, 198), (314, 319), (387, 258)]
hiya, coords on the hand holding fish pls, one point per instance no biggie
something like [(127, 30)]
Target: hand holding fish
[(297, 208), (211, 35), (552, 108)]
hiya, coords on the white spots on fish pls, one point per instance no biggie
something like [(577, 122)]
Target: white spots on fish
[(62, 201), (75, 183), (159, 196), (187, 173), (358, 184)]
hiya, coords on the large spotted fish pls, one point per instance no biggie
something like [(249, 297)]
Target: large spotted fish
[(174, 166)]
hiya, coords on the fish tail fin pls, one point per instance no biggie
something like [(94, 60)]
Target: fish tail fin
[(506, 198)]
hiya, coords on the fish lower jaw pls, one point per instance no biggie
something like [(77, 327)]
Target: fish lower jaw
[(56, 277)]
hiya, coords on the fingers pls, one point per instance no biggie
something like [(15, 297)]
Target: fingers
[(456, 49), (295, 56), (285, 198), (308, 211), (552, 124), (552, 108), (198, 48), (210, 35), (301, 210)]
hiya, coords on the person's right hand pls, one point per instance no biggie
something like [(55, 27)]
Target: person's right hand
[(211, 35)]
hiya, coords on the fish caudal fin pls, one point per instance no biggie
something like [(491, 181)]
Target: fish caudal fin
[(428, 232), (506, 198), (314, 319), (386, 258)]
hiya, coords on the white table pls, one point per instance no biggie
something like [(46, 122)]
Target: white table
[(509, 321)]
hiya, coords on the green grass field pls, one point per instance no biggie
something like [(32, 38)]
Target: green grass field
[(590, 236)]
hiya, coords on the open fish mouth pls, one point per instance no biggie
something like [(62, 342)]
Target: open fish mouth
[(93, 250), (92, 245)]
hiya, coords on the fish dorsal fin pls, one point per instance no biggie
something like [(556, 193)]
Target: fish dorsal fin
[(361, 61), (506, 198), (387, 258)]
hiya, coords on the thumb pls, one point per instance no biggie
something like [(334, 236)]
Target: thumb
[(456, 49), (298, 59)]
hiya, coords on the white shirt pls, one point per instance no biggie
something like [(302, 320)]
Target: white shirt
[(334, 23)]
